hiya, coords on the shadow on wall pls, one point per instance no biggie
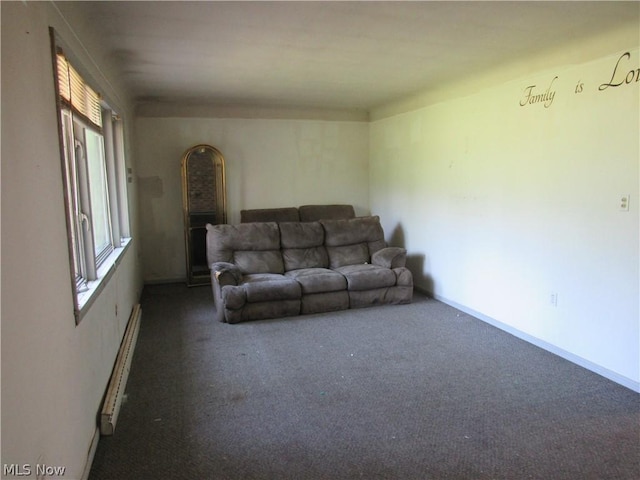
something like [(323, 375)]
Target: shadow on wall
[(422, 281), (397, 237), (415, 262)]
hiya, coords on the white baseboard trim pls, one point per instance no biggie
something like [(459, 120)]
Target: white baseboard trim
[(582, 362)]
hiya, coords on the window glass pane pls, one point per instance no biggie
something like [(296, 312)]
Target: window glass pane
[(71, 193), (98, 194), (122, 174)]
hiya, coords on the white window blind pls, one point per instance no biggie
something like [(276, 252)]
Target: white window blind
[(79, 96)]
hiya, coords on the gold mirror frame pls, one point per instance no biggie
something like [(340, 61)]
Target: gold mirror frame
[(203, 201)]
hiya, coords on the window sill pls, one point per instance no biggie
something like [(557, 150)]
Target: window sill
[(94, 287)]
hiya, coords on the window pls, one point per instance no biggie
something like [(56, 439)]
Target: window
[(93, 170)]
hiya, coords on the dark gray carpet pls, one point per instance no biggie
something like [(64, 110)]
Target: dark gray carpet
[(418, 391)]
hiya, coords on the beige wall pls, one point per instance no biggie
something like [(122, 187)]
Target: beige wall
[(502, 206), (54, 373), (269, 163)]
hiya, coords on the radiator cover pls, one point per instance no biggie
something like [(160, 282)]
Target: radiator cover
[(118, 381)]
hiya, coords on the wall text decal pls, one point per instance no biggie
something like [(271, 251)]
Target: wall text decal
[(546, 98), (621, 75), (618, 79)]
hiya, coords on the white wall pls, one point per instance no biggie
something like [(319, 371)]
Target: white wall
[(54, 373), (269, 163), (502, 205)]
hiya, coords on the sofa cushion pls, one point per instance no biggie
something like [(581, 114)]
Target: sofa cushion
[(296, 258), (348, 255), (301, 234), (253, 247), (363, 235), (318, 280), (302, 245), (367, 277), (354, 230), (266, 261)]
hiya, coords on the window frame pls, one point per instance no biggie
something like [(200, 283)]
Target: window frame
[(90, 270)]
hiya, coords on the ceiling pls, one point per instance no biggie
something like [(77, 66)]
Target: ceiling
[(334, 55)]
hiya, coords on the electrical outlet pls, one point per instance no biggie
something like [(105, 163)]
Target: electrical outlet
[(624, 202)]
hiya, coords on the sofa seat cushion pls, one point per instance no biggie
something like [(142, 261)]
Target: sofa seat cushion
[(318, 280), (367, 276)]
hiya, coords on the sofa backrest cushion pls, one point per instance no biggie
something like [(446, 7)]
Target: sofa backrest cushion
[(352, 241), (303, 245), (312, 213), (252, 247), (286, 214)]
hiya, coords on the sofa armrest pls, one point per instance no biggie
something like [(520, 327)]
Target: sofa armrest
[(390, 257), (226, 273)]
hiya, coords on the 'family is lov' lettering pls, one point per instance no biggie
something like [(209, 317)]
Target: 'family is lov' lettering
[(531, 96)]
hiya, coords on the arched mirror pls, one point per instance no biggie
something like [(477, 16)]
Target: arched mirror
[(203, 201)]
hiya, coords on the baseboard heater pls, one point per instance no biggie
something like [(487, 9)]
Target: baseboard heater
[(118, 382)]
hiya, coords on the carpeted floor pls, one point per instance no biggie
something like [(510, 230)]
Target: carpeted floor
[(419, 391)]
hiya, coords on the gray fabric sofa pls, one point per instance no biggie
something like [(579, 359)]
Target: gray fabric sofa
[(263, 270)]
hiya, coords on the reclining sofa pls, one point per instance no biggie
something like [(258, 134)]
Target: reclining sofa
[(270, 269)]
